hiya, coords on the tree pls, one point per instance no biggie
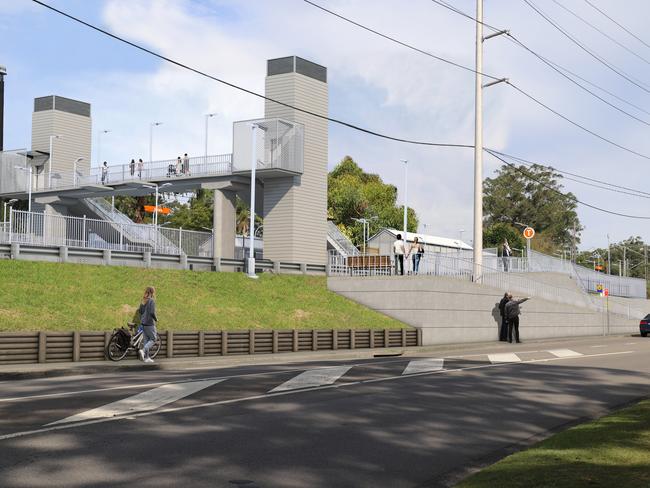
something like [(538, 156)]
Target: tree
[(496, 234), (532, 196), (631, 251), (352, 193)]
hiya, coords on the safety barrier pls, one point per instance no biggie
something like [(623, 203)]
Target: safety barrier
[(51, 347)]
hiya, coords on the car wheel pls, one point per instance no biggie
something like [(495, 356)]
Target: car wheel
[(644, 334)]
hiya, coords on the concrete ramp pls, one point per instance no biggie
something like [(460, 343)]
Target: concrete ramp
[(450, 310)]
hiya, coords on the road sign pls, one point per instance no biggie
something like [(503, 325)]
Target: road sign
[(599, 288), (529, 232), (606, 292), (599, 267)]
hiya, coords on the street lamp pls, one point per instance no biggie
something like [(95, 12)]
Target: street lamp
[(366, 224), (406, 174), (151, 126), (207, 117), (49, 178), (155, 209), (74, 170), (527, 240), (10, 203), (99, 144), (251, 232), (29, 170)]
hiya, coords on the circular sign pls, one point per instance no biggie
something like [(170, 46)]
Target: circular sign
[(529, 232)]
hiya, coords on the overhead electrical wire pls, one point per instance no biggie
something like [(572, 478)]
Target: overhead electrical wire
[(585, 180), (513, 85), (600, 31), (591, 53), (518, 42), (572, 198), (618, 24), (246, 90)]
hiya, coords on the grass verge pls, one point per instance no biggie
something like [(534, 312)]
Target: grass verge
[(613, 451), (62, 297)]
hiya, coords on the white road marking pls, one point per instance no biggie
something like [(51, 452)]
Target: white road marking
[(312, 378), (506, 357), (598, 346), (630, 343), (564, 353), (423, 365), (282, 393), (142, 402)]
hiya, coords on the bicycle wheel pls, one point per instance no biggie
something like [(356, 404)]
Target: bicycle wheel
[(114, 350), (155, 348)]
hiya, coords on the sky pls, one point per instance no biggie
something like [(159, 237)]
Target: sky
[(373, 83)]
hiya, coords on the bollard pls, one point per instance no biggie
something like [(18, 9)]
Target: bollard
[(146, 257), (216, 264), (42, 347), (170, 344), (15, 250), (76, 346), (276, 267), (63, 254), (303, 268), (107, 257), (183, 261)]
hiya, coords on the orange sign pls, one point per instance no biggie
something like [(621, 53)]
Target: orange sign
[(606, 292), (599, 267), (161, 210), (529, 232)]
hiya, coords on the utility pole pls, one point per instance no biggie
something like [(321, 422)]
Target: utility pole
[(478, 141), (3, 73), (624, 261), (478, 147), (645, 260), (609, 257)]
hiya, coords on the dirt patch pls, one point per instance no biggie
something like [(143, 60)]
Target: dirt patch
[(300, 314)]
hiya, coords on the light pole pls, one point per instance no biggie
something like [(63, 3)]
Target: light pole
[(609, 257), (406, 175), (207, 117), (49, 178), (461, 234), (29, 170), (99, 145), (251, 228), (74, 170), (151, 126), (10, 203)]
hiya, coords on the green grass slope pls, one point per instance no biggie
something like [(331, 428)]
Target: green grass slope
[(62, 297)]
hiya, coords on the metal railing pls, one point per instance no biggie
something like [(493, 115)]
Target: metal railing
[(342, 244)]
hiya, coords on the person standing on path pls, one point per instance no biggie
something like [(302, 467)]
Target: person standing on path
[(512, 312), (503, 330), (140, 168), (507, 252), (132, 167), (105, 173), (416, 251), (398, 251), (148, 320)]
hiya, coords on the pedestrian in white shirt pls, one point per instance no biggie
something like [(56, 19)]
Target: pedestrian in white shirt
[(398, 251)]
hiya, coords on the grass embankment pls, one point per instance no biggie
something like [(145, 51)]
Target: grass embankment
[(613, 451), (62, 297)]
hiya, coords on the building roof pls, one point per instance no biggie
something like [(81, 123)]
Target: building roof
[(427, 239)]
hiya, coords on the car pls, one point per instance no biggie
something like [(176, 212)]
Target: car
[(644, 325)]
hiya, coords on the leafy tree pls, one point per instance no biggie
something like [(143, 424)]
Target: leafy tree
[(533, 196), (494, 235), (632, 251), (352, 193)]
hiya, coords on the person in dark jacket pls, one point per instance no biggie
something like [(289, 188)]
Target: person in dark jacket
[(503, 330), (512, 313), (148, 320)]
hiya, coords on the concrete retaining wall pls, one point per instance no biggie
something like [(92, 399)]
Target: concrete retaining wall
[(449, 310)]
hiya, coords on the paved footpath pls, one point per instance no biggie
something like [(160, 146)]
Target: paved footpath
[(417, 421)]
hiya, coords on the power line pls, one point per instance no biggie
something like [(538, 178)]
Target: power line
[(618, 24), (605, 185), (520, 90), (555, 190), (584, 21), (246, 90), (401, 43), (591, 53), (542, 58)]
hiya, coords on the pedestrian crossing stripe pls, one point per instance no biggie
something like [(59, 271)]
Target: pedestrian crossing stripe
[(506, 357), (565, 353), (424, 366), (312, 378)]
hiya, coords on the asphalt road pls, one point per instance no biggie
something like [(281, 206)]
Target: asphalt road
[(328, 424)]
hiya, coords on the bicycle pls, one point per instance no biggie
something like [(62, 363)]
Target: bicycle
[(122, 341)]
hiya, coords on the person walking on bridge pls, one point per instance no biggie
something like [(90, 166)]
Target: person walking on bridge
[(512, 312)]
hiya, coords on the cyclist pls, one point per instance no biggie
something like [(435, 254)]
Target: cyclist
[(148, 321)]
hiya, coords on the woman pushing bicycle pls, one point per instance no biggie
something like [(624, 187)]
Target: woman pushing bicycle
[(148, 321)]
